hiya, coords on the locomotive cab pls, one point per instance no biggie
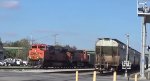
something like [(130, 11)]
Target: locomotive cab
[(36, 54)]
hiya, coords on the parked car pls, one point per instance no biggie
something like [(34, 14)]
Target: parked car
[(13, 62), (8, 61), (2, 63), (25, 63)]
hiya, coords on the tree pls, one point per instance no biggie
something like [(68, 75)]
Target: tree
[(22, 54)]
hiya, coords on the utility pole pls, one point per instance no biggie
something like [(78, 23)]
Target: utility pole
[(31, 40), (55, 39), (127, 55), (143, 48), (143, 10)]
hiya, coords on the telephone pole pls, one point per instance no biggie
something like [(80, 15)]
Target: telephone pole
[(55, 39), (143, 10), (127, 54)]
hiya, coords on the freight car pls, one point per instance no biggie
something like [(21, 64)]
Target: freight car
[(110, 53), (42, 55), (80, 58), (91, 58)]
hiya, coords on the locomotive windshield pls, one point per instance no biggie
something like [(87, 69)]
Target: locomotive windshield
[(34, 46), (42, 47), (107, 50), (79, 51)]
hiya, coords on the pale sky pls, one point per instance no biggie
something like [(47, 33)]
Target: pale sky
[(77, 22)]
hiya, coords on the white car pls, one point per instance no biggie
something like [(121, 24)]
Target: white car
[(2, 63), (17, 62), (25, 63)]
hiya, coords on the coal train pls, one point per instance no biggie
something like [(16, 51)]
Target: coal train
[(44, 56), (110, 53)]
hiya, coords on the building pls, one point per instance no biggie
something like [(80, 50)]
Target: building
[(1, 51)]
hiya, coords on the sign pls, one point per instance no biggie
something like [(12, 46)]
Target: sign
[(126, 65)]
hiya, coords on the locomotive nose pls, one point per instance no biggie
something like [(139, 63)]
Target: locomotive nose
[(35, 55)]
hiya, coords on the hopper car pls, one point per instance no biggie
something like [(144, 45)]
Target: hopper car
[(110, 53)]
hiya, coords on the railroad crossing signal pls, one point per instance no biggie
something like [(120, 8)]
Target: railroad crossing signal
[(126, 65), (143, 10)]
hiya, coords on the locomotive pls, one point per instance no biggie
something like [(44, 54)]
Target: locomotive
[(110, 53), (44, 56)]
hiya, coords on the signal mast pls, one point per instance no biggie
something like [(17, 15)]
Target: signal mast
[(143, 10)]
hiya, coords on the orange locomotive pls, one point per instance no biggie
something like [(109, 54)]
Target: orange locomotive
[(36, 54), (43, 56), (37, 51)]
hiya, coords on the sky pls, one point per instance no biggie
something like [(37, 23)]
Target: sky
[(76, 22)]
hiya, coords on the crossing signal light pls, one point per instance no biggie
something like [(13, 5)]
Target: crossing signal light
[(148, 48)]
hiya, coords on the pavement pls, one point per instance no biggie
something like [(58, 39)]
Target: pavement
[(146, 78)]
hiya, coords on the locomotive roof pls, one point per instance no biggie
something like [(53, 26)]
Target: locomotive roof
[(39, 45)]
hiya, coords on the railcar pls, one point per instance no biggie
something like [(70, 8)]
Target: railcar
[(80, 58), (43, 56), (110, 53), (58, 56), (91, 58)]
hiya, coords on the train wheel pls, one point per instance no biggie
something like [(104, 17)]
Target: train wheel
[(40, 64), (101, 72)]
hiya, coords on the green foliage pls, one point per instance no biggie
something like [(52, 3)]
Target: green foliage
[(1, 42), (10, 53), (15, 53)]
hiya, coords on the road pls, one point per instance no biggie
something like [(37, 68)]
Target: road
[(36, 76), (48, 76)]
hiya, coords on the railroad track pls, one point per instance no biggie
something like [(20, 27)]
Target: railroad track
[(15, 67), (50, 69), (29, 67)]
